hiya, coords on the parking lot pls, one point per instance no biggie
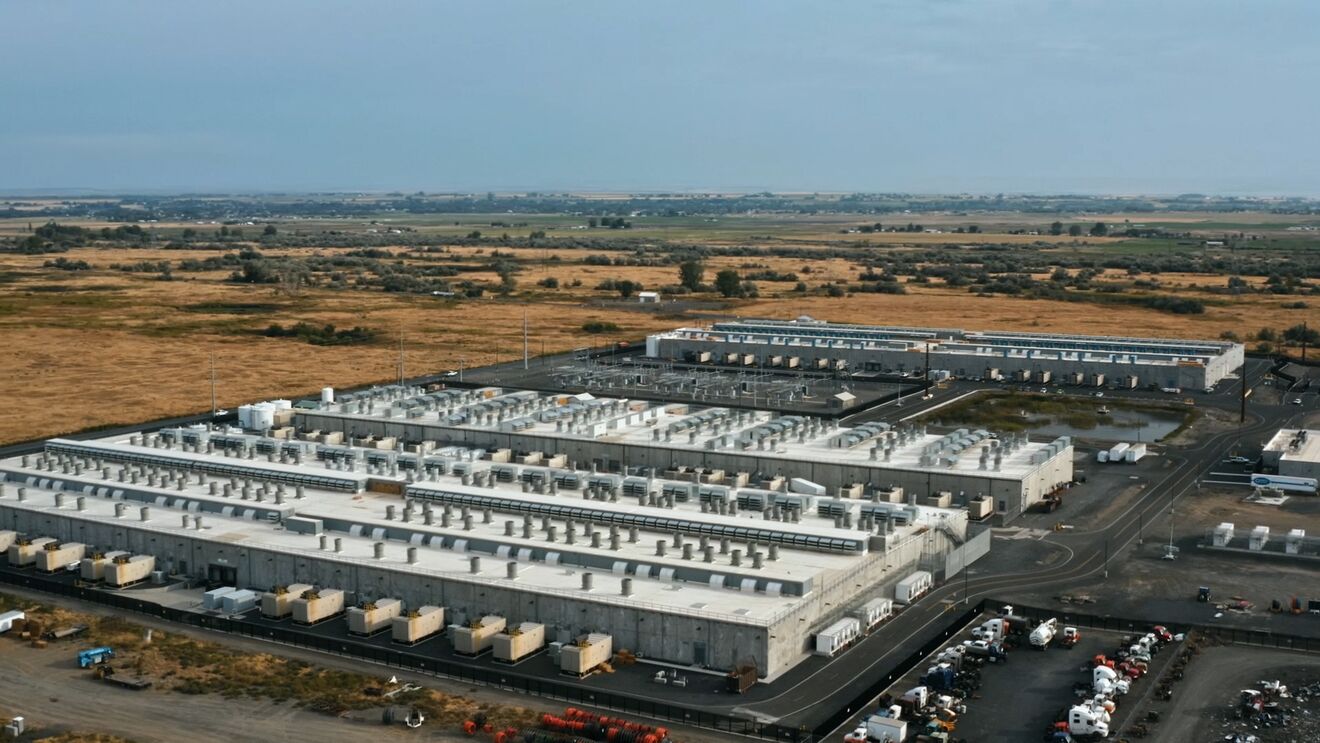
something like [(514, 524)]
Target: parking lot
[(1020, 698)]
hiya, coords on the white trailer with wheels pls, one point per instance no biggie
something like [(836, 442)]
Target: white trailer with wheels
[(875, 611), (838, 636), (913, 587)]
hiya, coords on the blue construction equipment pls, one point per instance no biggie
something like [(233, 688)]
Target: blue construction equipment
[(89, 658)]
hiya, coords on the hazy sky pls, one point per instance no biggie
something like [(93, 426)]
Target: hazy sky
[(1116, 96)]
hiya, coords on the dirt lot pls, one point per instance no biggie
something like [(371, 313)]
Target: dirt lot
[(47, 688), (210, 686), (1204, 706)]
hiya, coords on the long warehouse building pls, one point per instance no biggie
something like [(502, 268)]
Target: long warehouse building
[(1092, 360), (676, 568), (1005, 475)]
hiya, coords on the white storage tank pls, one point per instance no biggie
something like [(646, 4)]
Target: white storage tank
[(913, 587), (263, 416), (838, 636), (328, 395)]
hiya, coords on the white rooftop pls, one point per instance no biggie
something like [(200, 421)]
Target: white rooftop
[(446, 550)]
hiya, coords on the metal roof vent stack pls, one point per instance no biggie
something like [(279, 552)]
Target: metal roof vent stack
[(82, 503), (145, 513), (550, 534), (467, 523), (735, 558), (379, 549), (511, 570), (570, 533), (687, 551), (59, 500), (412, 555), (185, 521), (120, 508), (474, 565), (595, 540), (339, 544), (508, 528), (632, 535), (586, 581), (756, 560), (659, 548), (626, 588), (527, 530)]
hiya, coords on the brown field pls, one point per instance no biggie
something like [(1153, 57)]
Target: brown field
[(104, 347)]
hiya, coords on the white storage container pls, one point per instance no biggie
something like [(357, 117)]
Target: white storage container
[(913, 587), (838, 636)]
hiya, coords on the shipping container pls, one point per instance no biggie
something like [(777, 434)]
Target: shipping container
[(1117, 451), (838, 636), (1134, 453), (875, 611)]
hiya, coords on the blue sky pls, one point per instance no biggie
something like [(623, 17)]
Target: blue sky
[(1042, 96)]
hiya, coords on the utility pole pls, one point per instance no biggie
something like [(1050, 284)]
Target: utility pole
[(213, 385), (524, 338), (400, 354), (1242, 410)]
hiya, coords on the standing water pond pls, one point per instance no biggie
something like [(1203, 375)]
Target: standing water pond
[(1057, 415)]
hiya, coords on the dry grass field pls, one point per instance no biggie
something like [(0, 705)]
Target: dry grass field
[(104, 346)]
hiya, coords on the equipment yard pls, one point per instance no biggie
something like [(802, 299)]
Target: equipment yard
[(1208, 706)]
